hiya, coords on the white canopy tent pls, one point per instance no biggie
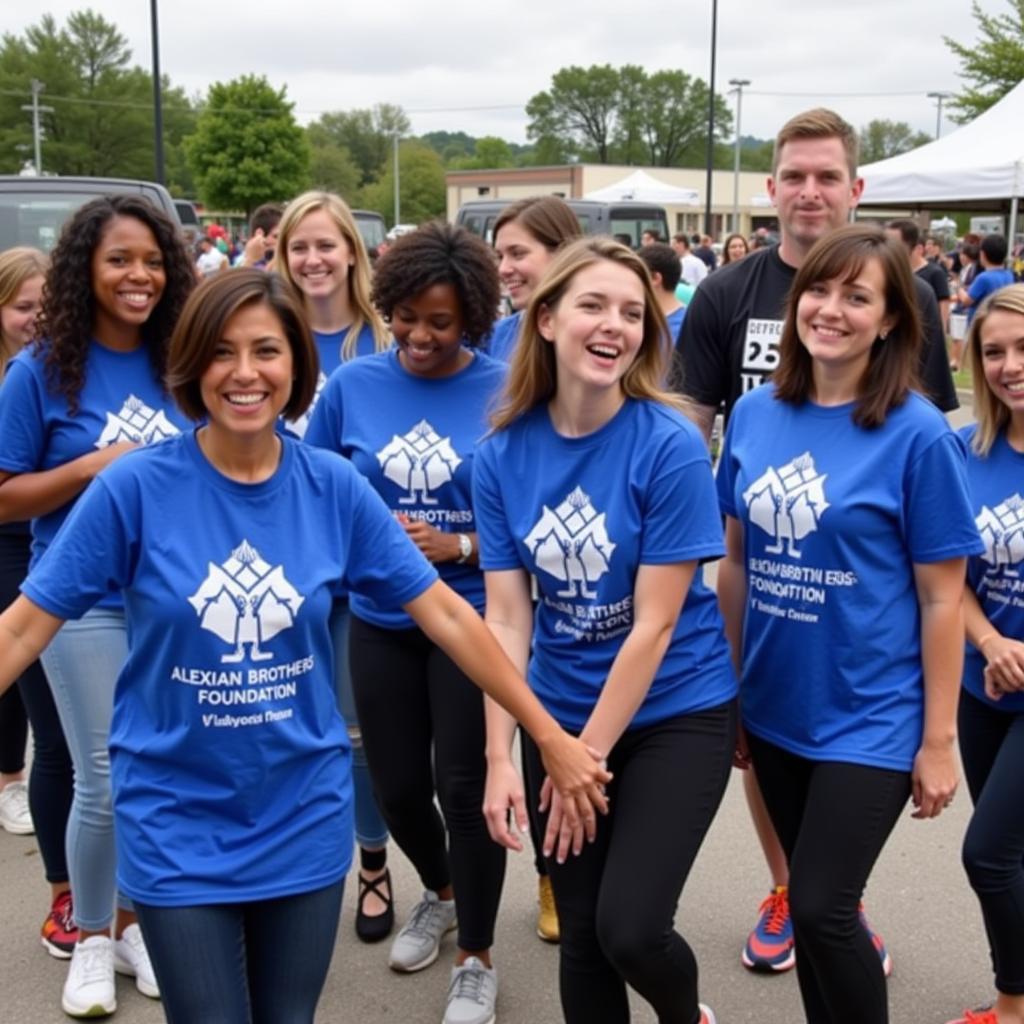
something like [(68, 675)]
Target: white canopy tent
[(641, 187), (981, 160)]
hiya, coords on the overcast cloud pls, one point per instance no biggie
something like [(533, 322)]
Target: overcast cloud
[(444, 61)]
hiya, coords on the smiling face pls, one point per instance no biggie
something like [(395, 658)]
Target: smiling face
[(522, 260), (597, 327), (1002, 358), (737, 249), (128, 280), (428, 330), (838, 321), (249, 379), (318, 256), (18, 317), (812, 191)]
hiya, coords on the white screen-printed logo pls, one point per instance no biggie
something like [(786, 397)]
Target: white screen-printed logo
[(420, 461), (246, 601), (787, 503), (572, 544), (1002, 530), (299, 426), (136, 422)]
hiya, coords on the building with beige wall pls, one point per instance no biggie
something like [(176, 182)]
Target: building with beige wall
[(574, 181)]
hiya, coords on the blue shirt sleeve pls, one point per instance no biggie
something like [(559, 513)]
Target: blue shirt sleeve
[(324, 430), (21, 420), (725, 477), (497, 545)]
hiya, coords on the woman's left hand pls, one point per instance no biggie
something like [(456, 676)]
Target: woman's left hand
[(577, 775), (435, 545), (934, 780)]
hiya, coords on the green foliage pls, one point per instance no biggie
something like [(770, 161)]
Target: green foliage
[(880, 139), (450, 145), (421, 186), (993, 64), (332, 168), (247, 148), (102, 117), (367, 135), (488, 152), (625, 116)]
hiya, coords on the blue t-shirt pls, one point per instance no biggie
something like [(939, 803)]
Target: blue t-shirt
[(675, 324), (413, 438), (996, 575), (121, 400), (834, 518), (229, 760), (504, 334), (987, 282), (582, 515), (329, 348)]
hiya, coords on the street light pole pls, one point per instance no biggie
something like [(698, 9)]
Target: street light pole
[(738, 84), (397, 185), (940, 98), (37, 131), (711, 116), (158, 110)]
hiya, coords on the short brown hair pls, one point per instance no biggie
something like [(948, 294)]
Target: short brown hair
[(202, 324), (549, 219), (891, 371), (819, 123)]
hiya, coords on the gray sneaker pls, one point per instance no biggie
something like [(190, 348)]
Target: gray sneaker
[(472, 994), (417, 944)]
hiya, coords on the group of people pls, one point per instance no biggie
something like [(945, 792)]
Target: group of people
[(358, 491)]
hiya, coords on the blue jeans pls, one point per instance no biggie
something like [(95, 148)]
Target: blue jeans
[(82, 664), (371, 830), (243, 963)]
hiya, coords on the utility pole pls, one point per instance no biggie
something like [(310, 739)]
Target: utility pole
[(738, 84), (711, 117), (397, 183), (37, 131), (158, 109), (940, 98)]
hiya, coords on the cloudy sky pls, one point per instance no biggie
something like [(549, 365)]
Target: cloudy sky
[(472, 66)]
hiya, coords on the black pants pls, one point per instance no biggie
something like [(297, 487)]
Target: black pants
[(992, 748), (423, 730), (617, 900), (832, 819), (51, 780)]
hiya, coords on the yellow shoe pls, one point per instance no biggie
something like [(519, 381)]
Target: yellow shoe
[(547, 917)]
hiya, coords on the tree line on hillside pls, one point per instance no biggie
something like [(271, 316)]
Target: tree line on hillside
[(240, 145)]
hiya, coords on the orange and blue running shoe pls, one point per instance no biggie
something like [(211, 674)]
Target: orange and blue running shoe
[(985, 1016), (770, 945), (876, 940)]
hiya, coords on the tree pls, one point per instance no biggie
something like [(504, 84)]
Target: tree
[(368, 135), (332, 168), (247, 148), (880, 139), (488, 152), (675, 119), (994, 64), (580, 106), (421, 186)]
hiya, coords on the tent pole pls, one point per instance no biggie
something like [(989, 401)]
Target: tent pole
[(1012, 233)]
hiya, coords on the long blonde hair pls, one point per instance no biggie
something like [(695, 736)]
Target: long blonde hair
[(17, 265), (992, 416), (359, 273), (532, 376)]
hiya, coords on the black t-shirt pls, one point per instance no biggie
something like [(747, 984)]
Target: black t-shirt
[(729, 341), (935, 277)]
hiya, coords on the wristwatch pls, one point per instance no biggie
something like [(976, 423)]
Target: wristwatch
[(465, 548)]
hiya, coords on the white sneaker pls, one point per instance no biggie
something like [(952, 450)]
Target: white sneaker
[(472, 994), (89, 988), (131, 958), (15, 816), (417, 944)]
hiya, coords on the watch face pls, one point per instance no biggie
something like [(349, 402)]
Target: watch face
[(465, 546)]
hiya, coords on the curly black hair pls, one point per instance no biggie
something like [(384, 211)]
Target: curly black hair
[(68, 309), (439, 253)]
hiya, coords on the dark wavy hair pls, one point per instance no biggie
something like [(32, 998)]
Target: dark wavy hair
[(69, 305), (439, 253)]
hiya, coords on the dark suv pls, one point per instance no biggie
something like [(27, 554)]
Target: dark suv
[(33, 210)]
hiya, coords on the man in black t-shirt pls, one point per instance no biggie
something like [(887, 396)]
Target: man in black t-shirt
[(729, 340), (932, 274)]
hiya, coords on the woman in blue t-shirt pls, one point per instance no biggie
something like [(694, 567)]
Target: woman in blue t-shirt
[(991, 717), (596, 485), (841, 590), (321, 254), (409, 419), (90, 391), (229, 759)]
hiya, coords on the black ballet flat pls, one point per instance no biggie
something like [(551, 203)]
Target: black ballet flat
[(379, 926)]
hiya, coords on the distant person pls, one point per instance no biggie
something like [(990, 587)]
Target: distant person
[(968, 260), (210, 259), (650, 237), (735, 248), (933, 251), (693, 270), (263, 228), (933, 275), (665, 270), (704, 251), (993, 276)]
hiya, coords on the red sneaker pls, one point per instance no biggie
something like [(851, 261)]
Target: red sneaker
[(987, 1016), (59, 932), (769, 946)]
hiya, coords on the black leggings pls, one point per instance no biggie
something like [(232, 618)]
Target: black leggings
[(617, 900), (51, 779), (832, 819), (422, 722), (992, 748)]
